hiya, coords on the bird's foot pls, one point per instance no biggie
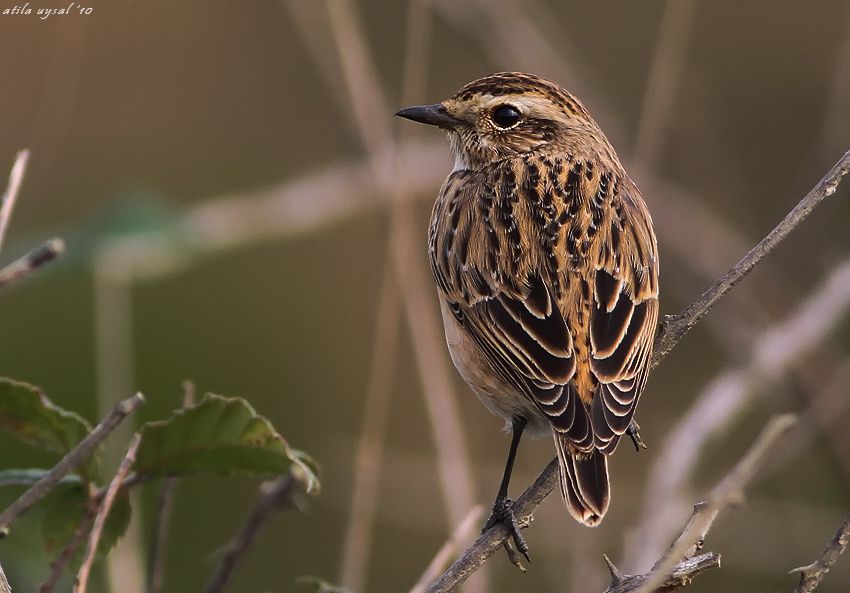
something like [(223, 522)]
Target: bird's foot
[(503, 512)]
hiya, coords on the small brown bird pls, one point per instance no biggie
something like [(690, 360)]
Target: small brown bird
[(546, 266)]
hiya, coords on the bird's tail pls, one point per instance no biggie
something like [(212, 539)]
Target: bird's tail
[(584, 482)]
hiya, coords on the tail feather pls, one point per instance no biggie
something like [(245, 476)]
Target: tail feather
[(584, 483)]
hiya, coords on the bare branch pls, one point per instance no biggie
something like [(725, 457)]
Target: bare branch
[(4, 584), (78, 454), (812, 575), (773, 353), (490, 542), (367, 100), (7, 202), (58, 567), (24, 266), (681, 577), (674, 327), (162, 515), (663, 81), (369, 458), (272, 496), (103, 512), (162, 519), (729, 490)]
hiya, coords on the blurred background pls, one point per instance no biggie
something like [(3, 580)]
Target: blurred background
[(242, 211)]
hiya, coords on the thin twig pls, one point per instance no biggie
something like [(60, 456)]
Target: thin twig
[(438, 564), (360, 77), (77, 455), (114, 358), (681, 577), (7, 202), (674, 327), (272, 496), (772, 354), (80, 535), (812, 575), (159, 537), (162, 516), (370, 452), (368, 106), (663, 80), (491, 541), (729, 490), (24, 266), (103, 512), (4, 584)]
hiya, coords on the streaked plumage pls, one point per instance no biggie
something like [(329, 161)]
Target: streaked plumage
[(547, 270)]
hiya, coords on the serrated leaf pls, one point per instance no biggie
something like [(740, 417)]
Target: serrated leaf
[(28, 477), (26, 413), (219, 435), (65, 509)]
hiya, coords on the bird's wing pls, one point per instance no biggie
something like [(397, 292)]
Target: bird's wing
[(623, 316), (505, 306)]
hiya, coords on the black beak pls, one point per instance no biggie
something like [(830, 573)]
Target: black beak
[(433, 115)]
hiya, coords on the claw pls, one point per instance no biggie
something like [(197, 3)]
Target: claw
[(503, 513)]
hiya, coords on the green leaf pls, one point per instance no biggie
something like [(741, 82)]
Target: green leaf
[(219, 435), (26, 413), (28, 477), (65, 510), (306, 469)]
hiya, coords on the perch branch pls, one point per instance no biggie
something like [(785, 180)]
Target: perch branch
[(812, 575), (442, 557), (103, 512), (79, 453), (490, 542), (771, 356), (674, 327)]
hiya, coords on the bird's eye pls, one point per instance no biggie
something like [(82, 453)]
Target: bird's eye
[(505, 116)]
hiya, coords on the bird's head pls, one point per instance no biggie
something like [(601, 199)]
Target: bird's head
[(508, 114)]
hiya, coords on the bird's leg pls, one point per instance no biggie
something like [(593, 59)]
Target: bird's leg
[(503, 506)]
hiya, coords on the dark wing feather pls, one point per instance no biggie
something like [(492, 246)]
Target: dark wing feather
[(531, 360), (505, 305), (622, 322)]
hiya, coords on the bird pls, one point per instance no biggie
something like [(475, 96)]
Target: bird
[(546, 266)]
